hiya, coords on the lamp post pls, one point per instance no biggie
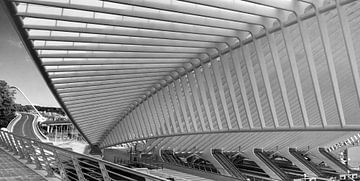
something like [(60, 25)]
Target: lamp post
[(40, 116)]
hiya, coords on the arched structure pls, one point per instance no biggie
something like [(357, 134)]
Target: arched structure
[(32, 105), (191, 75)]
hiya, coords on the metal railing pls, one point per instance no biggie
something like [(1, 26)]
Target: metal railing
[(68, 165)]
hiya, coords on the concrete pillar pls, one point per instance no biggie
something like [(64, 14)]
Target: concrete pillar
[(61, 133), (56, 132)]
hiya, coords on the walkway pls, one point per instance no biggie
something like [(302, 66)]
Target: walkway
[(12, 169)]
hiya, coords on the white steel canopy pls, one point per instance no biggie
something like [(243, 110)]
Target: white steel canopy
[(129, 70)]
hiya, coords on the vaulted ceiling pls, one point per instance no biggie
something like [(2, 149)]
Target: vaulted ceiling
[(128, 70)]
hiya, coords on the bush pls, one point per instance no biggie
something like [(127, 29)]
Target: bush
[(7, 104)]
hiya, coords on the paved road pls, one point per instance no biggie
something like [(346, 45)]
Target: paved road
[(24, 126)]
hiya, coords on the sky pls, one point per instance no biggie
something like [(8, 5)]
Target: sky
[(18, 69)]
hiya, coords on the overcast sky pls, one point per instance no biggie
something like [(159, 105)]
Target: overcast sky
[(18, 69)]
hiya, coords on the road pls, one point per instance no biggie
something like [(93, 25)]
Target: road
[(24, 126)]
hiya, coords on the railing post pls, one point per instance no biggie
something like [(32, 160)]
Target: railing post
[(78, 169), (60, 166), (36, 158), (49, 171), (21, 154), (3, 142), (25, 151), (13, 145), (9, 147), (104, 172)]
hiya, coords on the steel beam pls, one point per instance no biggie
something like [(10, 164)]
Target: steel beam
[(158, 15), (130, 33), (131, 24), (123, 41), (104, 87), (95, 73)]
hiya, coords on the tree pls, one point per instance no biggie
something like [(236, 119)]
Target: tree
[(7, 104)]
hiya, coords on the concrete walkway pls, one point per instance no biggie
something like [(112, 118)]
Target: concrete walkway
[(13, 170)]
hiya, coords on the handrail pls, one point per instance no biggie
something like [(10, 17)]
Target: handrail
[(225, 162), (66, 161), (260, 154), (308, 164), (334, 160), (197, 167)]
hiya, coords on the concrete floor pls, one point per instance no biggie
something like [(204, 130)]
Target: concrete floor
[(11, 169)]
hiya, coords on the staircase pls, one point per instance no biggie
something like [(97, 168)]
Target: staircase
[(169, 157), (275, 168), (250, 168), (228, 165), (311, 166), (334, 160)]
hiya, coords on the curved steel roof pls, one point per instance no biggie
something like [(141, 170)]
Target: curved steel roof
[(128, 70)]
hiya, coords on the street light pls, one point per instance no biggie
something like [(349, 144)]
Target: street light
[(41, 118)]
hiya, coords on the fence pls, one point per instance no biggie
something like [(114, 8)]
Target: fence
[(68, 165)]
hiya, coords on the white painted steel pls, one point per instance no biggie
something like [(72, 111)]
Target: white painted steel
[(201, 70)]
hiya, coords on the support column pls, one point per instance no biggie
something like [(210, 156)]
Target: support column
[(54, 132), (207, 155), (78, 170), (104, 172), (60, 165), (61, 133)]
